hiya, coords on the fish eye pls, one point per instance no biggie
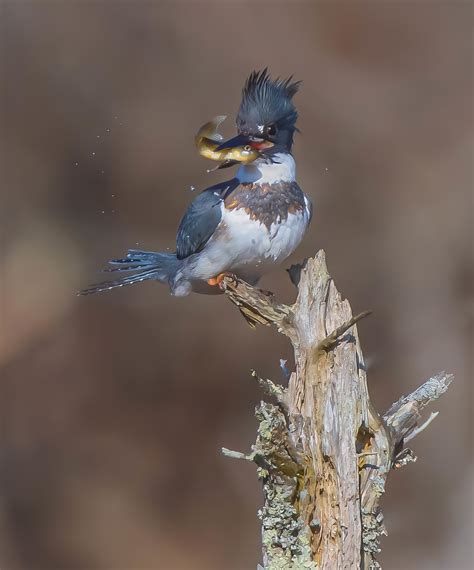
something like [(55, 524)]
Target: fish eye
[(247, 148), (271, 130)]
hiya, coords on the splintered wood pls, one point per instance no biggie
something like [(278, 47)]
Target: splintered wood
[(322, 452)]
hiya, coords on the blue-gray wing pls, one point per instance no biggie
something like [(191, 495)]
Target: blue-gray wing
[(202, 218)]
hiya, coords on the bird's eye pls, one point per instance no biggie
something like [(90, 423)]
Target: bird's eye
[(271, 130), (247, 148)]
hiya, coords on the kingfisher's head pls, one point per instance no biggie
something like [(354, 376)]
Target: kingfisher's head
[(266, 119)]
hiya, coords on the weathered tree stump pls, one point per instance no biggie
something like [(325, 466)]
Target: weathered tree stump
[(323, 453)]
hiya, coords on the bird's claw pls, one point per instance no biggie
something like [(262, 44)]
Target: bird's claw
[(218, 280)]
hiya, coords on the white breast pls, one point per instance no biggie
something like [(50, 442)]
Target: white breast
[(245, 246), (286, 235), (248, 247), (283, 169)]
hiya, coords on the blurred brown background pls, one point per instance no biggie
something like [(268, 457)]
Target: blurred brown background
[(114, 408)]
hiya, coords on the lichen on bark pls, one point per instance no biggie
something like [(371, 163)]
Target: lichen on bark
[(322, 452)]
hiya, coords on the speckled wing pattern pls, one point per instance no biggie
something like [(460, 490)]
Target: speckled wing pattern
[(202, 218)]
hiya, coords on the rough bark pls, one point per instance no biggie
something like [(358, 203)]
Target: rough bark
[(322, 452)]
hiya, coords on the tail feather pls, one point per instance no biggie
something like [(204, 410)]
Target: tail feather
[(145, 265), (125, 265)]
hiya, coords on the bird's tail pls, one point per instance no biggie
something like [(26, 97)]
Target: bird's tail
[(142, 265)]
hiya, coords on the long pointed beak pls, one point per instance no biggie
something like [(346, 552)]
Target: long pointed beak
[(239, 140)]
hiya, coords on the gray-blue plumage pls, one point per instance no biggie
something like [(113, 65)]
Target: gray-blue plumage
[(244, 225), (196, 228), (202, 218), (145, 265), (265, 102)]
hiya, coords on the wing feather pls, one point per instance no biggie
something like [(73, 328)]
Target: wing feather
[(202, 218)]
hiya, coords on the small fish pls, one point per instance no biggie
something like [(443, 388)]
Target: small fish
[(208, 139)]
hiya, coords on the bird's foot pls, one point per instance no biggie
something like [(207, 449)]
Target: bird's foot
[(220, 278)]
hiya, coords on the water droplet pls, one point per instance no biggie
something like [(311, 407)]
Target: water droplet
[(137, 243), (76, 164), (115, 117), (93, 154), (103, 211), (113, 211), (98, 136), (108, 130), (113, 195), (102, 171), (327, 169), (192, 188)]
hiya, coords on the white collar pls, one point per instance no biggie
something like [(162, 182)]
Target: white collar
[(282, 170)]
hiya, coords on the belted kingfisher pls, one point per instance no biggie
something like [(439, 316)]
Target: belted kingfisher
[(242, 226)]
